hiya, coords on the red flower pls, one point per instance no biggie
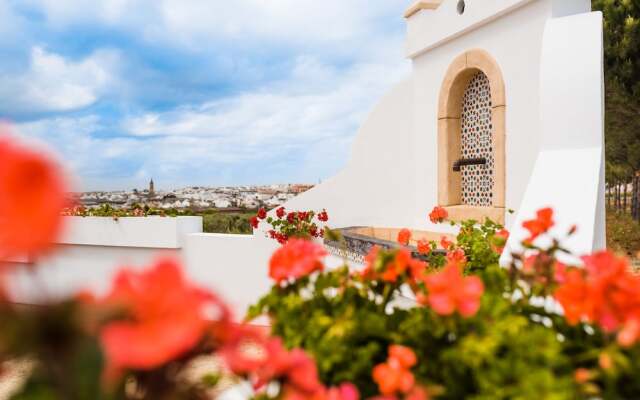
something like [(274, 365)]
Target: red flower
[(397, 266), (291, 217), (457, 257), (540, 225), (262, 213), (630, 333), (404, 236), (297, 258), (166, 317), (582, 375), (424, 247), (280, 212), (417, 393), (445, 243), (402, 355), (418, 269), (295, 369), (323, 216), (346, 391), (395, 376), (245, 352), (254, 221), (449, 291), (500, 240), (32, 198), (604, 292), (369, 270), (438, 214)]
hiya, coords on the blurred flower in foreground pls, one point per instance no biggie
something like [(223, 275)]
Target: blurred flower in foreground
[(165, 316), (297, 258), (32, 197)]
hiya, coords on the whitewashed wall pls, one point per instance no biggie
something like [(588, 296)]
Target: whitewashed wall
[(550, 54), (92, 250)]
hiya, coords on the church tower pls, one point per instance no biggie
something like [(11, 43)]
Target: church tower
[(151, 188)]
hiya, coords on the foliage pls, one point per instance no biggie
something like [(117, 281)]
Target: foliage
[(622, 74), (214, 221), (513, 346), (622, 41), (227, 222)]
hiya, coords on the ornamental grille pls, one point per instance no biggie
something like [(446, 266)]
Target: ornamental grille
[(477, 142)]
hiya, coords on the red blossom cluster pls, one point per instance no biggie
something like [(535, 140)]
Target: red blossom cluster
[(262, 359), (394, 377), (438, 215), (604, 292), (164, 317), (449, 291), (390, 270), (32, 195), (404, 236), (539, 225), (279, 237), (291, 224), (295, 259), (424, 247)]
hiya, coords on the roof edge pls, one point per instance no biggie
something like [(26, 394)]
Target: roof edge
[(420, 5)]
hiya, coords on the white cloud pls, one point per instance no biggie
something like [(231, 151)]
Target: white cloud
[(196, 23), (53, 83), (297, 129), (318, 102)]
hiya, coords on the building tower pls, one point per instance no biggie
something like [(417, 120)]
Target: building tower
[(151, 188)]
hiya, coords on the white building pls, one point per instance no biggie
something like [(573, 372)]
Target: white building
[(509, 92)]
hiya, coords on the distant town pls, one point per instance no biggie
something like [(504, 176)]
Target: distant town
[(196, 197)]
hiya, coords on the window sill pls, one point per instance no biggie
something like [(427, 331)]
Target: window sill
[(459, 213)]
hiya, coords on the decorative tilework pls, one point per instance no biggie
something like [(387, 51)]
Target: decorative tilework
[(476, 131)]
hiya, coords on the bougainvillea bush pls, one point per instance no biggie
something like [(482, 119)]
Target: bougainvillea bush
[(454, 326)]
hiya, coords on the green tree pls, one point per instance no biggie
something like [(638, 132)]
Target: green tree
[(622, 76)]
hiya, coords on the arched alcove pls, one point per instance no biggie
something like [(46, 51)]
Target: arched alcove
[(471, 139)]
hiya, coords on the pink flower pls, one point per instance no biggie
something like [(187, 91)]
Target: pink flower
[(295, 259), (346, 391), (449, 291)]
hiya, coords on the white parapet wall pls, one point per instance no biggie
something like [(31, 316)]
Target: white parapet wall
[(91, 249)]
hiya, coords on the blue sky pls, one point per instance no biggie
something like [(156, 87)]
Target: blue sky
[(196, 92)]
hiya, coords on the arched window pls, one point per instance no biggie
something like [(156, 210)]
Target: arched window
[(471, 139), (476, 186)]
